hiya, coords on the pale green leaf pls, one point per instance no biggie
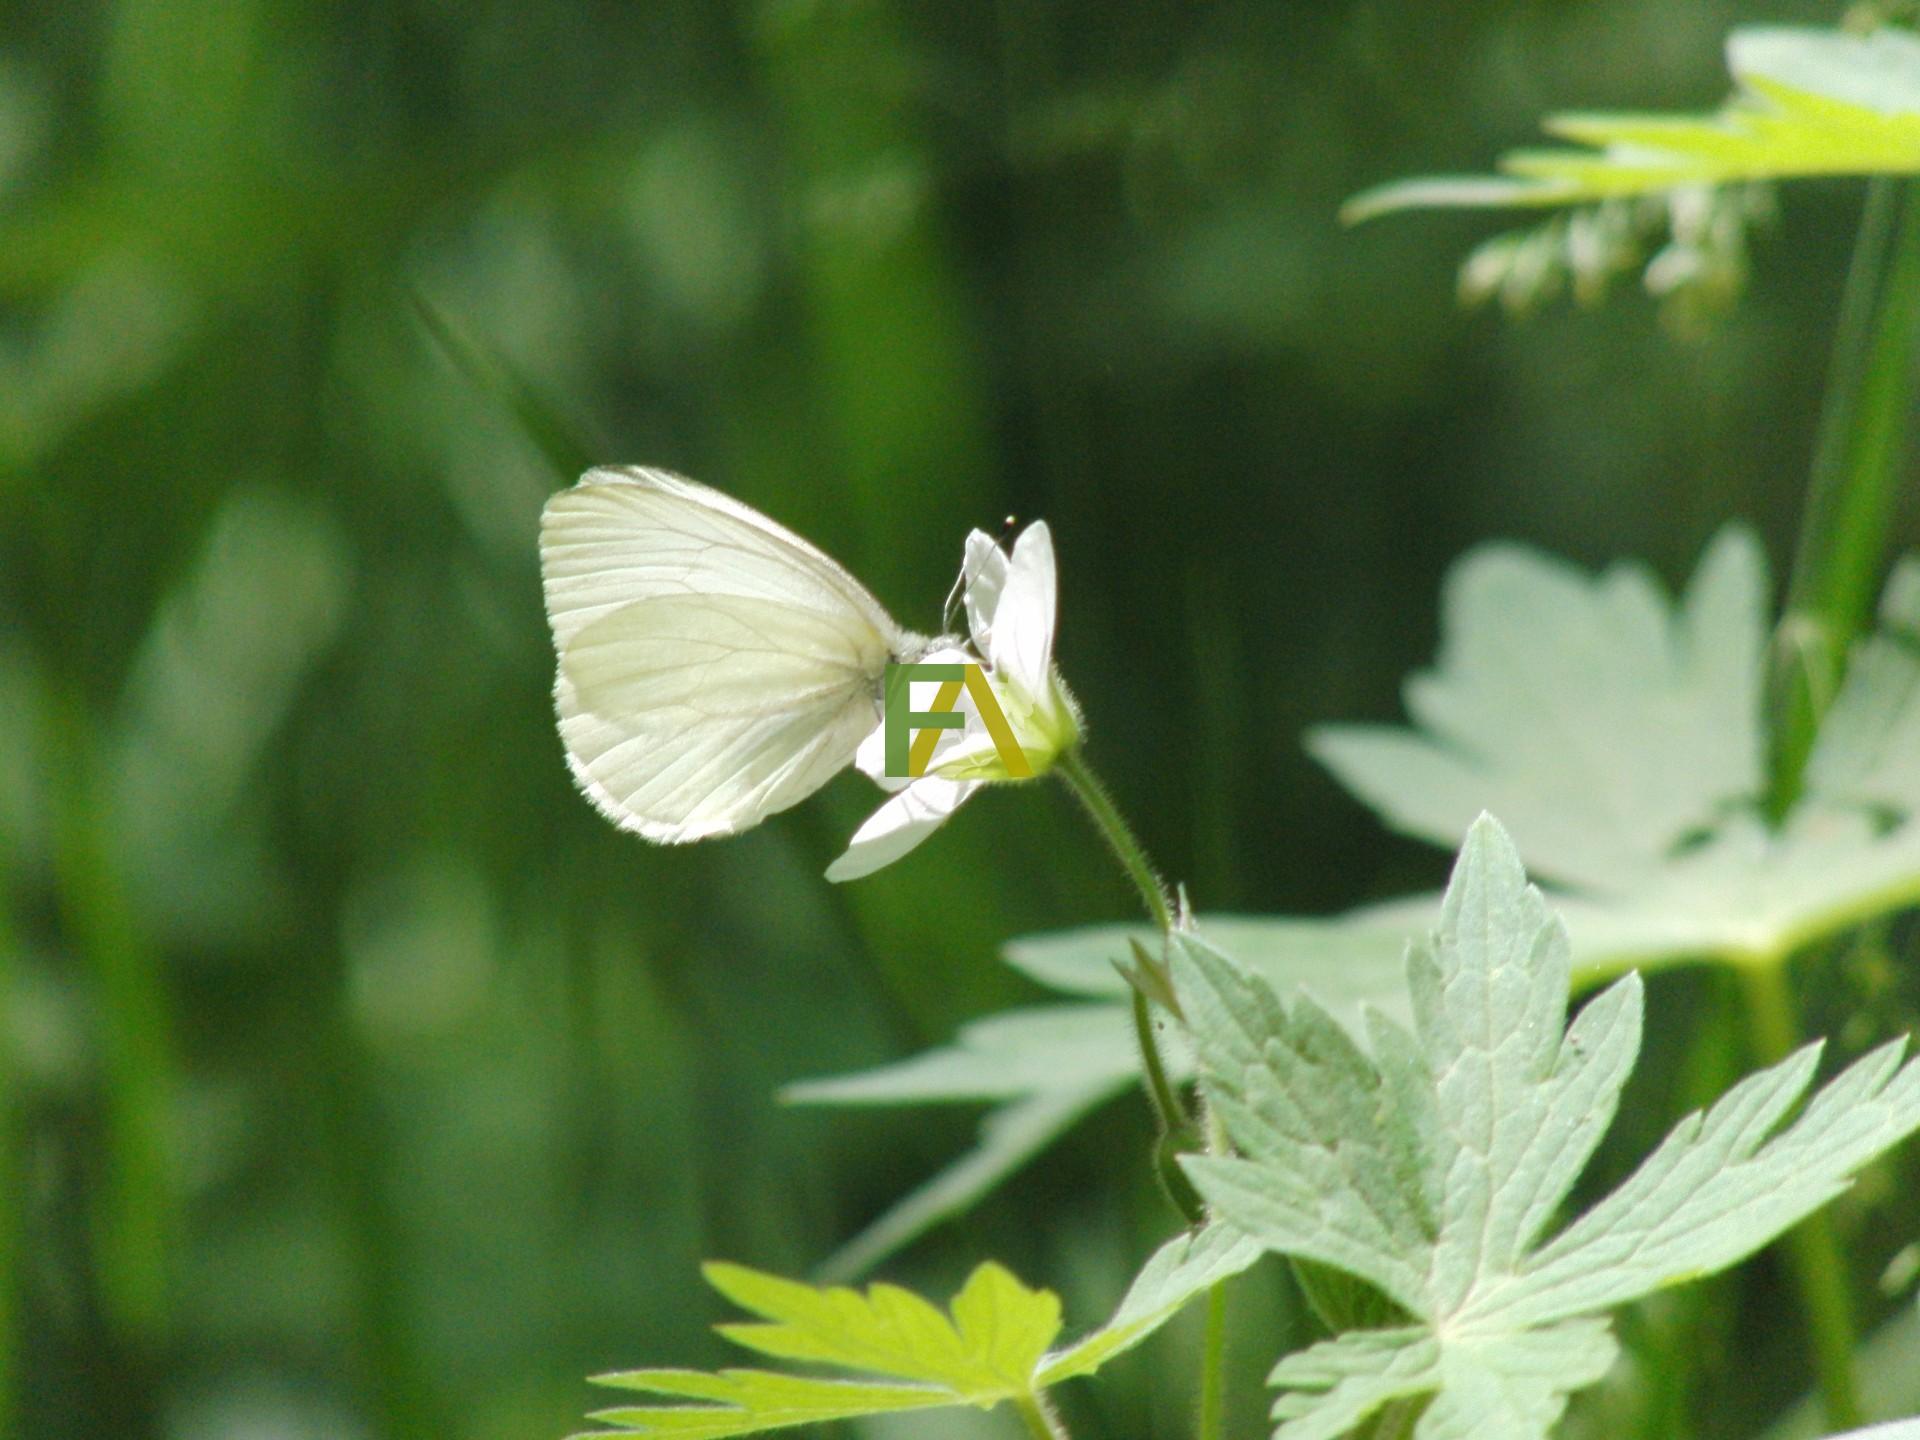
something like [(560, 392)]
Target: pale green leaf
[(1329, 1388), (1430, 1162), (1808, 102), (1518, 1099), (1330, 1168), (1343, 964), (1618, 735), (1718, 1188), (1009, 1137), (1181, 1269), (1517, 1385), (1604, 725), (1053, 1065), (1045, 1049)]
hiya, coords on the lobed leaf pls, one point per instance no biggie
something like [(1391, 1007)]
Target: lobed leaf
[(990, 1345), (1430, 1163), (1605, 726)]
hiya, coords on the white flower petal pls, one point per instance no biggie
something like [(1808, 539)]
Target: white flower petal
[(902, 822), (983, 575), (1021, 643)]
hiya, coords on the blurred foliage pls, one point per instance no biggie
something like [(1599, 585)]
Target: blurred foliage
[(360, 1081)]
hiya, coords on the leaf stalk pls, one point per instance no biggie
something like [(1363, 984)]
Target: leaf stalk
[(1813, 1251), (1858, 463), (1038, 1416)]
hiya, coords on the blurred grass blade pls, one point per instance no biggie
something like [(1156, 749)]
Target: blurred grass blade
[(138, 1218), (555, 437), (13, 1204)]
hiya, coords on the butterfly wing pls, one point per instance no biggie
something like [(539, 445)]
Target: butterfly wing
[(714, 667)]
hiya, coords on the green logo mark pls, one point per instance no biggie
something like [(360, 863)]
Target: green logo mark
[(908, 754)]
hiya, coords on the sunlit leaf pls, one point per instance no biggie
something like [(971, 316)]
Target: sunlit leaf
[(1809, 102), (989, 1346)]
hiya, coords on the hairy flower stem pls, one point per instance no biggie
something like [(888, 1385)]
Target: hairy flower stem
[(1113, 828), (1814, 1256), (1038, 1416), (1173, 1117), (1167, 1107), (1857, 468)]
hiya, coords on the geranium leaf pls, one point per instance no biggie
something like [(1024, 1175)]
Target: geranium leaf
[(1430, 1161)]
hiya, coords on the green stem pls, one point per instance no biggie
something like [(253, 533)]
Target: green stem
[(1113, 828), (1213, 1366), (1857, 467), (1813, 1251), (1106, 817), (1132, 856), (1038, 1416)]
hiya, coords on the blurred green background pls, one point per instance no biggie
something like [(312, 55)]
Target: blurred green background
[(359, 1080)]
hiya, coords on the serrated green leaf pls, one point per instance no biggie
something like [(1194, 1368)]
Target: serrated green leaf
[(1429, 1163), (1295, 1091), (1719, 1188), (995, 1337), (1514, 1388), (1809, 102), (1520, 1100), (989, 1346), (749, 1402), (985, 1349)]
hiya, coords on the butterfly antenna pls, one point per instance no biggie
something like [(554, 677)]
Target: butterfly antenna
[(953, 602)]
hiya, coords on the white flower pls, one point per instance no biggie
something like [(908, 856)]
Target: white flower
[(1010, 603)]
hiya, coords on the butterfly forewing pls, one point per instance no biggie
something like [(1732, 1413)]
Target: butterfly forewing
[(714, 667), (629, 534)]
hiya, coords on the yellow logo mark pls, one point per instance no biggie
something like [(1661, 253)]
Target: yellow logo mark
[(908, 755)]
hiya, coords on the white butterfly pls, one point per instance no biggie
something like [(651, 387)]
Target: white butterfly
[(714, 668)]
